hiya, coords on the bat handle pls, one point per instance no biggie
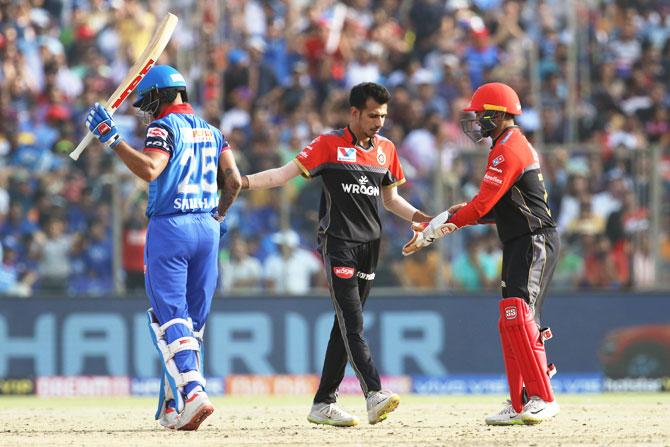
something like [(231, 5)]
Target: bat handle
[(81, 146)]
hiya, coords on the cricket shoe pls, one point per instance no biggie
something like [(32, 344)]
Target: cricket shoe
[(169, 416), (536, 410), (196, 409), (331, 414), (380, 404), (506, 416)]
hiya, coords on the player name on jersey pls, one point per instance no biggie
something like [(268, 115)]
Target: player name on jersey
[(195, 203)]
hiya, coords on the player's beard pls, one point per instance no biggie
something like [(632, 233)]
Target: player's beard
[(372, 132)]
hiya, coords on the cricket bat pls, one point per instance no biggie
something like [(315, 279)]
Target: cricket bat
[(142, 66)]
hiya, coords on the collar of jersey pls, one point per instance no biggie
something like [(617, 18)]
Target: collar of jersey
[(505, 130), (354, 141), (184, 109)]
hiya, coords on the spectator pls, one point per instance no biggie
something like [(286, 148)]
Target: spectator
[(14, 279), (643, 265), (599, 271), (134, 239), (293, 269), (587, 221), (241, 272), (475, 270), (420, 271), (52, 250), (278, 79)]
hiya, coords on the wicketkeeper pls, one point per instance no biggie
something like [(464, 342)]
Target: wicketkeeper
[(182, 160), (512, 194)]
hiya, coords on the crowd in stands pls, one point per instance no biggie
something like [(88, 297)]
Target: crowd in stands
[(273, 74)]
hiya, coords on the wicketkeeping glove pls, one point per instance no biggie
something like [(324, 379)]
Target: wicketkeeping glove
[(101, 124), (426, 233)]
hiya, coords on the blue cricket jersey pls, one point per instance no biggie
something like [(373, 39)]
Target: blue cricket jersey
[(188, 182)]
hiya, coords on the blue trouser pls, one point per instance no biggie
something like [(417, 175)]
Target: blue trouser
[(181, 274)]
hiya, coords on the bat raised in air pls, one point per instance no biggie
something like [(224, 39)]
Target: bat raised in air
[(142, 66)]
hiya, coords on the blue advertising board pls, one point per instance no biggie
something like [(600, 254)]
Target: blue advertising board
[(433, 336)]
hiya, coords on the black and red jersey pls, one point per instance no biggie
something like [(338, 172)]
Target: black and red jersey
[(512, 191), (353, 177)]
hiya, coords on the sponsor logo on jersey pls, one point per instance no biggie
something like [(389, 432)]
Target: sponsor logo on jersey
[(492, 179), (366, 276), (363, 180), (381, 157), (157, 132), (196, 135), (499, 159), (156, 143), (355, 188), (344, 272), (498, 170), (510, 313), (347, 154)]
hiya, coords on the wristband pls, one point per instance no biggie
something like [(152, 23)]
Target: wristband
[(113, 141)]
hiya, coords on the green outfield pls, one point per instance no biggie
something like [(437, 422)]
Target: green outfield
[(606, 419)]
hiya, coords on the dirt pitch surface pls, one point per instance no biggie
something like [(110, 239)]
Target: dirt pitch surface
[(594, 420)]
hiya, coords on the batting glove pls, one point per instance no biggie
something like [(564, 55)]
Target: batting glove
[(101, 124), (425, 234)]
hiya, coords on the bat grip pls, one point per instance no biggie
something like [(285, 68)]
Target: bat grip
[(81, 146)]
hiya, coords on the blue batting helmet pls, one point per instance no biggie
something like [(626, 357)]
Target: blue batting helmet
[(159, 77)]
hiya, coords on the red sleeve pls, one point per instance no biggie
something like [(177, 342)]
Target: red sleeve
[(395, 175), (312, 157), (502, 171)]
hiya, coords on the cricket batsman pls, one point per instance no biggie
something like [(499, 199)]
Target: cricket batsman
[(512, 194), (185, 161)]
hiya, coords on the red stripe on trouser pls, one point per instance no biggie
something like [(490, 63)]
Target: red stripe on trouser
[(519, 327), (514, 377)]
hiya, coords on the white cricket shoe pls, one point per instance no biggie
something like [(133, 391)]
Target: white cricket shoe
[(196, 409), (506, 416), (169, 417), (380, 404), (536, 410), (331, 414)]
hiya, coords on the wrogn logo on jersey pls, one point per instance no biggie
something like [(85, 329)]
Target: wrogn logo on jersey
[(347, 154), (362, 187)]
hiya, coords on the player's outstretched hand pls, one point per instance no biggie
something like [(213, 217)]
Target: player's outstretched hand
[(425, 234), (418, 240), (101, 124)]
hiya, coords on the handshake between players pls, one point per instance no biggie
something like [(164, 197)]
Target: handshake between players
[(425, 233)]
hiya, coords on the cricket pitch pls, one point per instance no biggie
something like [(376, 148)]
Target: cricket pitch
[(585, 420)]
